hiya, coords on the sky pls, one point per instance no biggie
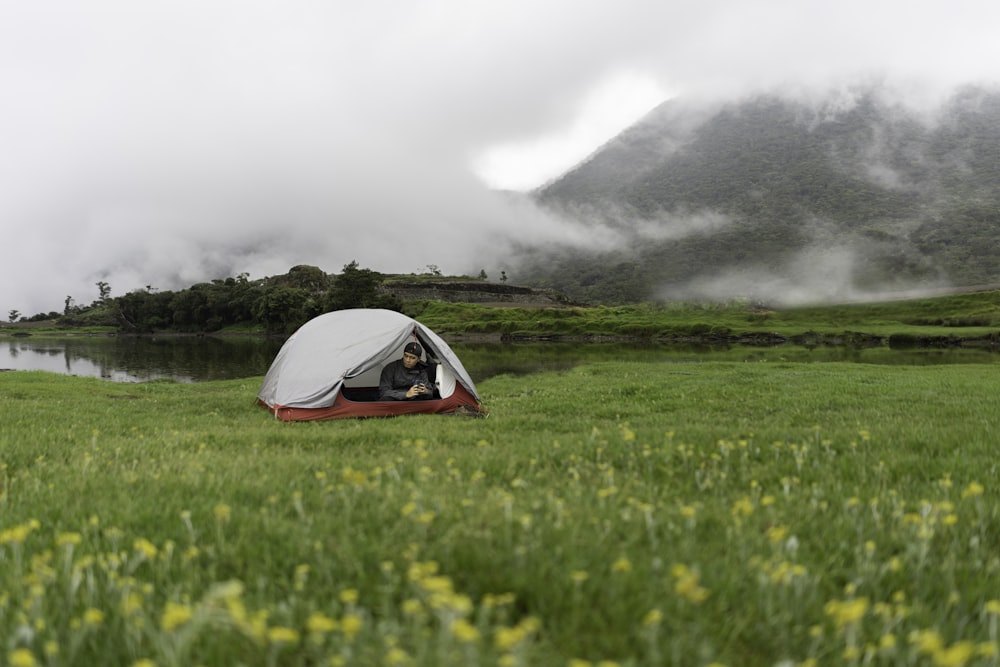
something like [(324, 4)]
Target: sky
[(166, 142)]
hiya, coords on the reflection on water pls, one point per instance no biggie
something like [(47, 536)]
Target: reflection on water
[(131, 359), (193, 359)]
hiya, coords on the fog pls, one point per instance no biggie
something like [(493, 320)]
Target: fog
[(165, 143)]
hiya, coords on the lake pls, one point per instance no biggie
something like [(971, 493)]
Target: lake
[(196, 359)]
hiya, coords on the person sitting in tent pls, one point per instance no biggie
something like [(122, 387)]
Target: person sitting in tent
[(406, 379)]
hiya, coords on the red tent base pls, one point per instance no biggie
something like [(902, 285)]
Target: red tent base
[(460, 402)]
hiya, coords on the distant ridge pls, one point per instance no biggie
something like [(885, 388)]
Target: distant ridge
[(782, 199)]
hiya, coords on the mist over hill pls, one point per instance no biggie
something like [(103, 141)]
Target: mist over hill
[(853, 194)]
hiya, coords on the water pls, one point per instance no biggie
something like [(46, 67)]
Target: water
[(132, 359), (195, 359)]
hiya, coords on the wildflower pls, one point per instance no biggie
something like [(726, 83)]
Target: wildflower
[(174, 616), (623, 565), (505, 639), (319, 623), (742, 508), (222, 512), (93, 616), (926, 641), (956, 655), (411, 607), (21, 657), (397, 656), (652, 617), (687, 586), (465, 631), (578, 576), (846, 612), (777, 533), (68, 539), (992, 607), (144, 662), (350, 625), (283, 635), (132, 602), (349, 595), (16, 535), (146, 548), (972, 490)]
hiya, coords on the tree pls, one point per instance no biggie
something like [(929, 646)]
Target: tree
[(283, 308), (68, 305), (14, 315), (104, 290), (503, 276), (358, 288), (482, 274)]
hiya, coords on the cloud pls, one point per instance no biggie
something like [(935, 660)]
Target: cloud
[(168, 142)]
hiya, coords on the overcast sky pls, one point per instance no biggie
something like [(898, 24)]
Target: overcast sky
[(165, 142)]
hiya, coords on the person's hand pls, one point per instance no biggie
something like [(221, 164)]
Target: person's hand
[(416, 390)]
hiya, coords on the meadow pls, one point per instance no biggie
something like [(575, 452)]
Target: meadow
[(615, 513)]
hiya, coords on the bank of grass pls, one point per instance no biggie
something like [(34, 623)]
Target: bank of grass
[(970, 315), (616, 513)]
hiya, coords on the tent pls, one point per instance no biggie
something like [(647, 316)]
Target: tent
[(330, 369)]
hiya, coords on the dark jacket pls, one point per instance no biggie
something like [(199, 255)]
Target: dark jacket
[(397, 379)]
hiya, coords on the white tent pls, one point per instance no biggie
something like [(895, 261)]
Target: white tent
[(330, 368)]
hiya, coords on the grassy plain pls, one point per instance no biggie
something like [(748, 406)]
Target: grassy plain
[(616, 513), (968, 315)]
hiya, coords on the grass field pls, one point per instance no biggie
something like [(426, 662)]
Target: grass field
[(619, 513)]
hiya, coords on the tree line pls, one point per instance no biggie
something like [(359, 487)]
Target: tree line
[(278, 304)]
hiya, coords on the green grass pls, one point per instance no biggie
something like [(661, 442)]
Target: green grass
[(675, 513), (968, 315)]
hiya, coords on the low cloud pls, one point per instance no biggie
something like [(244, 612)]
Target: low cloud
[(163, 143)]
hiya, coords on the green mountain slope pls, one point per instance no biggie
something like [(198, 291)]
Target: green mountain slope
[(779, 199)]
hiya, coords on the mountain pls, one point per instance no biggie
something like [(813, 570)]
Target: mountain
[(777, 199)]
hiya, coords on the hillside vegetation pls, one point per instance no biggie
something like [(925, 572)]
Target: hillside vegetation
[(766, 196)]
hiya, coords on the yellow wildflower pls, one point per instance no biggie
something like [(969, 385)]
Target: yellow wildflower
[(465, 631), (319, 623), (174, 616), (972, 490), (397, 656), (350, 625), (926, 641), (21, 657), (349, 595), (68, 539), (282, 635), (222, 512), (145, 547), (622, 565), (956, 655), (412, 607), (93, 616), (687, 586)]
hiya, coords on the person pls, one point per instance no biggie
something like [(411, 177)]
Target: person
[(406, 379)]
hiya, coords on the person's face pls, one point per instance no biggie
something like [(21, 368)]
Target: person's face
[(410, 360)]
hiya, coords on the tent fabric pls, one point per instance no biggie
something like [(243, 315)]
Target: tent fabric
[(346, 349)]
